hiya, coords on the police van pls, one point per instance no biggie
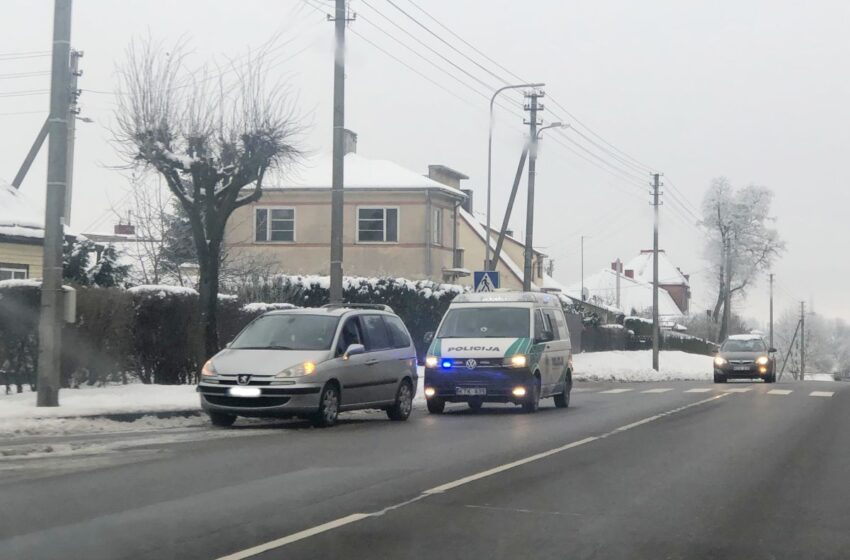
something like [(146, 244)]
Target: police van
[(504, 347)]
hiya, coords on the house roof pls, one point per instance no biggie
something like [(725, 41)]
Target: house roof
[(634, 293), (19, 216), (360, 173), (668, 273)]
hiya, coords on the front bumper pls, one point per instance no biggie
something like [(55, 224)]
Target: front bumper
[(752, 371), (498, 383), (281, 401)]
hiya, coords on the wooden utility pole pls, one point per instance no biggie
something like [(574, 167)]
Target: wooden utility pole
[(533, 108), (50, 320), (802, 341)]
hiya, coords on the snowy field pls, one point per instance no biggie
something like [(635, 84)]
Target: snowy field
[(637, 366)]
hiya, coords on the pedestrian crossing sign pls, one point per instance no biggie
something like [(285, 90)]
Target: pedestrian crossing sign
[(486, 280)]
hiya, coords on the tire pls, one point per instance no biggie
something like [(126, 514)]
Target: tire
[(436, 405), (532, 402), (328, 412), (719, 378), (400, 411), (563, 400), (770, 378), (475, 404), (221, 420)]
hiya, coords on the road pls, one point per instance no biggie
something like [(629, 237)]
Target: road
[(654, 470)]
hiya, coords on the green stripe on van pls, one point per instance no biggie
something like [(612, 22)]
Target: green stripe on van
[(516, 347)]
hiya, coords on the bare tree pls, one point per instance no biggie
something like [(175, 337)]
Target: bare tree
[(150, 218), (741, 244), (212, 143)]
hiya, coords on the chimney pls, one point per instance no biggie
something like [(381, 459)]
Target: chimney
[(349, 142), (630, 273), (467, 204), (125, 229), (446, 175)]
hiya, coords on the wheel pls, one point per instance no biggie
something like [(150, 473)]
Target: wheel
[(328, 411), (563, 400), (436, 405), (770, 378), (475, 404), (719, 378), (532, 402), (221, 419), (400, 411)]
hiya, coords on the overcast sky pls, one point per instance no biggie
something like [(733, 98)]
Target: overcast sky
[(754, 90)]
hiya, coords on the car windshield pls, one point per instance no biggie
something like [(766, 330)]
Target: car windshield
[(748, 345), (486, 322), (288, 332)]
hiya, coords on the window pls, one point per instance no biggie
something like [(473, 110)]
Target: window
[(350, 334), (377, 337), (552, 320), (437, 226), (275, 224), (540, 324), (14, 271), (377, 225), (288, 332), (485, 322), (398, 334)]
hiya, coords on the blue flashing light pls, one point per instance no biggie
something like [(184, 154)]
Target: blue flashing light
[(447, 364)]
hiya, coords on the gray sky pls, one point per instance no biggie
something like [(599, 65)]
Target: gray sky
[(754, 90)]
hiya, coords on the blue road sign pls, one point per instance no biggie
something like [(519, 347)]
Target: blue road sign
[(485, 280)]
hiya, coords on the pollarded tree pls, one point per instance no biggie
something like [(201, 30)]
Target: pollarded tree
[(213, 142)]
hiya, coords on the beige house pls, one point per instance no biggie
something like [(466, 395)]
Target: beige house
[(396, 223), (21, 235)]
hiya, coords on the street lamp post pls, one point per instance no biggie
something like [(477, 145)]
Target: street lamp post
[(490, 163)]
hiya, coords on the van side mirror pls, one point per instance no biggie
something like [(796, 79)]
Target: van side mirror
[(353, 350), (428, 337), (545, 336)]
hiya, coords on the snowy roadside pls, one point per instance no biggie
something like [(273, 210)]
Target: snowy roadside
[(630, 366)]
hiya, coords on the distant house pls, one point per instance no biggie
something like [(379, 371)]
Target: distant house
[(396, 222), (670, 277), (635, 294), (21, 235)]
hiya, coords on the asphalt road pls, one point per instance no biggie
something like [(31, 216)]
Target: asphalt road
[(690, 472)]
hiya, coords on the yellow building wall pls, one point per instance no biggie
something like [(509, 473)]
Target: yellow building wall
[(23, 254)]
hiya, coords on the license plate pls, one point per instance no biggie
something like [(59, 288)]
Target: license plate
[(742, 368), (245, 391), (470, 391)]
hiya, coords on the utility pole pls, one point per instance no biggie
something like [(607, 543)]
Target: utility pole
[(340, 19), (50, 320), (532, 107), (617, 272), (771, 310), (727, 296), (802, 341), (655, 326), (581, 295), (73, 111)]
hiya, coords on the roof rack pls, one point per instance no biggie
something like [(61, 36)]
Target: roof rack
[(375, 306)]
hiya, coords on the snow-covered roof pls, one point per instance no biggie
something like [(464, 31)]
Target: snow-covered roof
[(19, 216), (360, 173), (668, 273), (481, 231), (634, 293)]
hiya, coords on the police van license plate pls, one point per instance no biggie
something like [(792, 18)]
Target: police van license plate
[(471, 391)]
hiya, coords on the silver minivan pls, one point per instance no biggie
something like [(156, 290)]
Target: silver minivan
[(313, 363)]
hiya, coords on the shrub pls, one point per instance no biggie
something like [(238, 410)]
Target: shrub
[(19, 310)]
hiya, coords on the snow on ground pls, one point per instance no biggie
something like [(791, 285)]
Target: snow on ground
[(637, 366)]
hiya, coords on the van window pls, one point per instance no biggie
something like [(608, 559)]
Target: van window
[(551, 319), (540, 323), (377, 337), (349, 335), (398, 334), (485, 322)]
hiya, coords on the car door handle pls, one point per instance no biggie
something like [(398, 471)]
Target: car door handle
[(371, 362)]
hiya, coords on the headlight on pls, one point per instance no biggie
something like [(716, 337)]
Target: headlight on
[(208, 370), (719, 361), (762, 360), (517, 361), (431, 361), (307, 368)]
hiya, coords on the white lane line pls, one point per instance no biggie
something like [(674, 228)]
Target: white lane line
[(699, 390), (738, 390), (271, 545), (259, 549), (615, 391), (779, 392), (821, 393), (655, 391)]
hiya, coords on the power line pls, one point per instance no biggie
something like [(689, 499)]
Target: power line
[(16, 75), (24, 93)]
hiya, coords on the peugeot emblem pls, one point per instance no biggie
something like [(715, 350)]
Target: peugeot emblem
[(471, 364), (243, 379)]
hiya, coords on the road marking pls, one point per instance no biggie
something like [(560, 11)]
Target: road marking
[(271, 545), (821, 393), (656, 391), (779, 392), (738, 390), (615, 391), (699, 390)]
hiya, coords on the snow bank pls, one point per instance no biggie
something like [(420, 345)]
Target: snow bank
[(637, 366), (260, 307), (162, 289)]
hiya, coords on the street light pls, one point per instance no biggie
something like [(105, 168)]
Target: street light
[(490, 163)]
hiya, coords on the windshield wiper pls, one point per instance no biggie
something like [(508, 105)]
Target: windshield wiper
[(261, 348)]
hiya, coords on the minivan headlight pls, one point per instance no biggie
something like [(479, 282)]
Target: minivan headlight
[(307, 368), (719, 361), (208, 370), (762, 360)]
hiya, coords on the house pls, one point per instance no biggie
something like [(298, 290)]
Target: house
[(21, 235), (670, 277), (396, 222), (635, 294)]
